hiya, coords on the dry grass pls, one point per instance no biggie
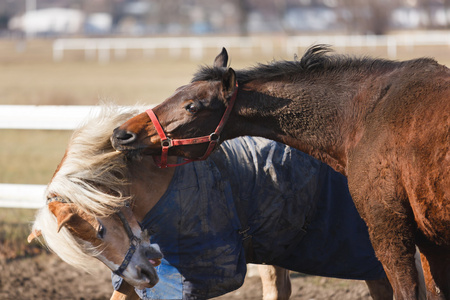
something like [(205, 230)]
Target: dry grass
[(29, 76), (85, 83), (14, 229), (31, 156)]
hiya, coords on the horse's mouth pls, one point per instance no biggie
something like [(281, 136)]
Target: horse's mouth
[(126, 141), (136, 151), (154, 255), (148, 276), (155, 262)]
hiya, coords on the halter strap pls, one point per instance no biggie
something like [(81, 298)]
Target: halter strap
[(134, 242), (167, 142), (57, 199)]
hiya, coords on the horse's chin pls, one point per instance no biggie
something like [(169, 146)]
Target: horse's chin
[(145, 285), (146, 278)]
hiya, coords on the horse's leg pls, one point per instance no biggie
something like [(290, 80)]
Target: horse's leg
[(125, 292), (436, 271), (275, 282), (422, 286), (390, 220), (380, 289), (392, 236)]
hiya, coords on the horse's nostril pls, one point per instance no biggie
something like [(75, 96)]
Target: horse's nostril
[(124, 137)]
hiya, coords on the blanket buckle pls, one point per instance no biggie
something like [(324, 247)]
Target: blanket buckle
[(245, 234)]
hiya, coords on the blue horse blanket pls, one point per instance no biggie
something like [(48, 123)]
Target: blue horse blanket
[(298, 212)]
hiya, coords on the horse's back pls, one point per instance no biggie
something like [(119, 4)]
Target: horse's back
[(416, 94)]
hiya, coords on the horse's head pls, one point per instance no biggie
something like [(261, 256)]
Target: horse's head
[(115, 240), (193, 111), (86, 216)]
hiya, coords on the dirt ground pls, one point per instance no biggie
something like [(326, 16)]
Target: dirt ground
[(47, 277)]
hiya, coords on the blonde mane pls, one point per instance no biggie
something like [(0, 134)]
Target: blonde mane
[(93, 176)]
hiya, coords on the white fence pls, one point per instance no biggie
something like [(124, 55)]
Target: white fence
[(50, 117), (22, 195), (101, 48), (37, 117)]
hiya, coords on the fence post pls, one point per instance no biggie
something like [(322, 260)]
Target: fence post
[(391, 47), (58, 50), (104, 48)]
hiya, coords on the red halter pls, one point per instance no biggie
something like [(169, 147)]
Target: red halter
[(167, 142)]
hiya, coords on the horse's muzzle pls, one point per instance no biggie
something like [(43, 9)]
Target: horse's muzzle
[(122, 137)]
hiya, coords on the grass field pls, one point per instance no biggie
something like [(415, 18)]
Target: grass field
[(29, 76)]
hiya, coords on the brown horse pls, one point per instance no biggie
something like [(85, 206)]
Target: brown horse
[(94, 182), (384, 124)]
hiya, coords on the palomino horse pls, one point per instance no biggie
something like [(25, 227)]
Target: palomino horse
[(384, 124), (311, 226), (103, 238), (77, 236)]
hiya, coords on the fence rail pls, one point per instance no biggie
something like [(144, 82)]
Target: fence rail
[(101, 48), (37, 117), (49, 117), (22, 195)]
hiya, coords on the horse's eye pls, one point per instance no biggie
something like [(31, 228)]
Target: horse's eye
[(192, 108), (101, 232)]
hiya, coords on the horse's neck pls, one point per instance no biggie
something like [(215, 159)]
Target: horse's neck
[(148, 184), (304, 117)]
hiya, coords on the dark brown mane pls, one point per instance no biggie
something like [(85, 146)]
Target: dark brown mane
[(316, 60)]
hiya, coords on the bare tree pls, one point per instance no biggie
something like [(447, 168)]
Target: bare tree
[(243, 10), (447, 12), (367, 16)]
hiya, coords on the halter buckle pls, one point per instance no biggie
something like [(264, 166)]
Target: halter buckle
[(167, 143), (214, 137), (134, 241)]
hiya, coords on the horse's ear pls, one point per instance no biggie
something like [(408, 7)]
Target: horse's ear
[(33, 235), (228, 83), (221, 60), (62, 211)]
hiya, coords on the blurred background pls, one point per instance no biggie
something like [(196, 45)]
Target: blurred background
[(71, 55), (50, 18)]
